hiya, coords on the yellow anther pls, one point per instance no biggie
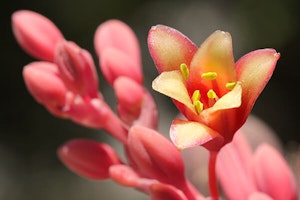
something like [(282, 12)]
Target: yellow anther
[(198, 106), (196, 96), (211, 94), (209, 75), (230, 85), (184, 71)]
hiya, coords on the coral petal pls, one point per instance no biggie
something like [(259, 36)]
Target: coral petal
[(214, 55), (254, 71), (230, 100), (169, 48), (171, 84), (186, 134)]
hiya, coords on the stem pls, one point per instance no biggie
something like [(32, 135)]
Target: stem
[(213, 185)]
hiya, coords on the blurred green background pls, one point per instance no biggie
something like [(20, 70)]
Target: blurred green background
[(29, 135)]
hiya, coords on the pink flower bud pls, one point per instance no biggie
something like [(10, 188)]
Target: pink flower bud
[(273, 175), (118, 50), (88, 158), (161, 191), (77, 69), (45, 85), (155, 156), (130, 98), (115, 63), (36, 34), (117, 35)]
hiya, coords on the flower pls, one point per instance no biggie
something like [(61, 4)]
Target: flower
[(215, 93)]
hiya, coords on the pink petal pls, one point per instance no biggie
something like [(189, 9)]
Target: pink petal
[(45, 85), (155, 156), (88, 158), (254, 71), (214, 55), (119, 36), (169, 48), (186, 134), (171, 84), (273, 175), (77, 69), (36, 34), (115, 63)]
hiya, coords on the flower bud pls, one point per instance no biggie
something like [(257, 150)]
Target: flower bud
[(130, 99), (88, 158), (117, 35), (77, 69), (155, 156), (115, 63), (45, 85), (36, 34), (118, 50)]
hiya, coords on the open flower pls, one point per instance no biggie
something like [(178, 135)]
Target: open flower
[(215, 93)]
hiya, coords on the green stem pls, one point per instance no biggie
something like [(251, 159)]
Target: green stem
[(213, 184)]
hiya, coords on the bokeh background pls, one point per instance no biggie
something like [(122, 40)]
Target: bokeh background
[(29, 135)]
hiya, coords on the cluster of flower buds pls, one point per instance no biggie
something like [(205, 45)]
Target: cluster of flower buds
[(65, 81), (214, 93)]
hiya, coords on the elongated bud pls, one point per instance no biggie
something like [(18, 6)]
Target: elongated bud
[(45, 85), (77, 69), (273, 175), (115, 63), (118, 50), (117, 35), (36, 34), (88, 158), (130, 98), (155, 156)]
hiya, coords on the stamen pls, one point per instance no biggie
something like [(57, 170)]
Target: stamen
[(196, 96), (211, 94), (230, 85), (198, 106), (196, 101), (209, 75), (184, 71)]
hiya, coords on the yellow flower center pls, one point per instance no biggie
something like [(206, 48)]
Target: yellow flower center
[(211, 94)]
